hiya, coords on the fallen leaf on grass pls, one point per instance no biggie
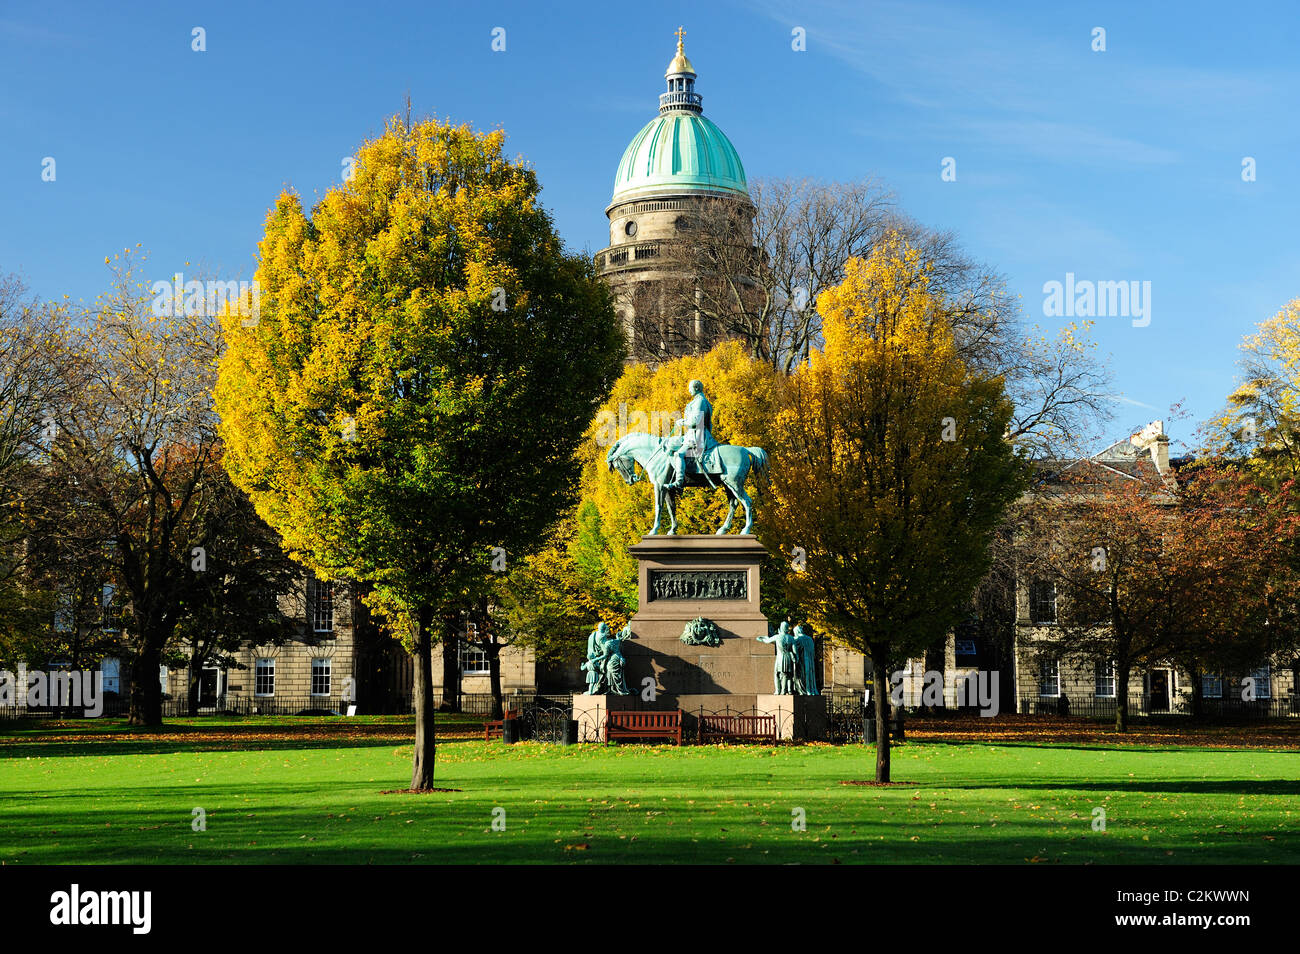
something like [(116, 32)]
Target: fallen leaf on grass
[(872, 782)]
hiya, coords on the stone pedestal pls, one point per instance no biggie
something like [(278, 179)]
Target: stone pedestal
[(798, 718), (681, 578)]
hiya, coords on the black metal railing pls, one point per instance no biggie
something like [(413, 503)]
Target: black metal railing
[(115, 706), (845, 713), (547, 723), (845, 719), (173, 707), (842, 707), (1147, 705)]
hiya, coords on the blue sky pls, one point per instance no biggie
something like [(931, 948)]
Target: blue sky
[(1123, 165)]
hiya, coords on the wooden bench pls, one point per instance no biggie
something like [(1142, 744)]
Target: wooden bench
[(754, 728), (496, 728), (644, 725)]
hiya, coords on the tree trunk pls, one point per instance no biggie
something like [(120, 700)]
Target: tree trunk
[(935, 661), (192, 689), (880, 689), (1198, 707), (493, 650), (146, 692), (74, 668), (1121, 695), (425, 743), (451, 665)]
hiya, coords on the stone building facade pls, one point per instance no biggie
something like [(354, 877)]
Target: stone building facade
[(1034, 682), (519, 672), (337, 657), (1046, 683), (314, 669)]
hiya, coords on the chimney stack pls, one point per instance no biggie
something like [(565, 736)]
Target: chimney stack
[(1160, 454), (1153, 437)]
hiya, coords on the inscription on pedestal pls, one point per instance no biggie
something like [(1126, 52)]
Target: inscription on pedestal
[(698, 585), (721, 670)]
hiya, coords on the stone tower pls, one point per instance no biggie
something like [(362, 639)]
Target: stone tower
[(679, 174)]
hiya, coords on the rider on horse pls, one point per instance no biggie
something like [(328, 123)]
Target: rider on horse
[(698, 440), (725, 466)]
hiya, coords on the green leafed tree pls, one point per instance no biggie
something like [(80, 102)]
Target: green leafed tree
[(405, 407)]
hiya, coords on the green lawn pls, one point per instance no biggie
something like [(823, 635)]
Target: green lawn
[(104, 794)]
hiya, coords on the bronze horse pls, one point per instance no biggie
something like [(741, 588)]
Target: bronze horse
[(728, 465)]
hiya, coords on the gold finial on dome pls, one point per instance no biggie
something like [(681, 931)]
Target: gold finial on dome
[(680, 63)]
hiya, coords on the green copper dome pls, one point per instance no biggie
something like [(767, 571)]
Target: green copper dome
[(679, 152)]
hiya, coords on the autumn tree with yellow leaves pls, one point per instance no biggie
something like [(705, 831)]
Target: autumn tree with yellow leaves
[(892, 468), (406, 407), (1261, 422)]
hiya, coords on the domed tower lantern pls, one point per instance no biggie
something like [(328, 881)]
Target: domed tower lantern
[(679, 162), (681, 83)]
